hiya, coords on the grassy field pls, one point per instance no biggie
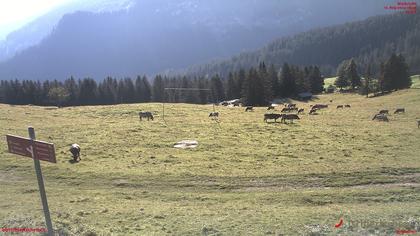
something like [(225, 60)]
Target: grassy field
[(329, 81), (246, 177)]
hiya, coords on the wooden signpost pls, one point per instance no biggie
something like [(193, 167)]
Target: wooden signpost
[(37, 150)]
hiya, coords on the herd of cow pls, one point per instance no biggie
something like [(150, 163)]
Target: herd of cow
[(382, 115), (290, 107)]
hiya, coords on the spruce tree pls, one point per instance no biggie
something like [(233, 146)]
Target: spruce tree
[(217, 89), (231, 87), (352, 75), (287, 81), (158, 92), (342, 80), (147, 91)]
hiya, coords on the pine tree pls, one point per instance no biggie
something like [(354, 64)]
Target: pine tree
[(248, 90), (217, 89), (158, 91), (58, 95), (352, 75), (317, 81), (71, 86), (239, 79), (368, 76), (342, 80), (202, 94), (88, 92), (287, 81), (147, 91), (274, 80), (402, 78), (231, 87), (264, 83)]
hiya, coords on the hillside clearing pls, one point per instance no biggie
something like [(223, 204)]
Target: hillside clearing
[(245, 177)]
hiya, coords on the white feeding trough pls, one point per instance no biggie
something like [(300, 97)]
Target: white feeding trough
[(186, 144)]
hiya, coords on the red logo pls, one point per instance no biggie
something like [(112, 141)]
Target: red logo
[(339, 224)]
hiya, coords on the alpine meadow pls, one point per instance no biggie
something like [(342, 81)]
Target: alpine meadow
[(245, 177)]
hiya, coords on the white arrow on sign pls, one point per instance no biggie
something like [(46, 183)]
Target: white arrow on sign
[(30, 149)]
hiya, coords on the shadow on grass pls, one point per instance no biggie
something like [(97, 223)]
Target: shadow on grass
[(72, 161)]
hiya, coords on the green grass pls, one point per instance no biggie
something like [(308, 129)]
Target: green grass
[(246, 177), (329, 81), (416, 81)]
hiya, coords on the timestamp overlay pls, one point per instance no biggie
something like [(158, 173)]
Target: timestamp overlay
[(408, 7)]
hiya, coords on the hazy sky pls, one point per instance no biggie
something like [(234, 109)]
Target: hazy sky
[(16, 13)]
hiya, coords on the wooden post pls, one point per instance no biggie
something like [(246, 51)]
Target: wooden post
[(41, 185)]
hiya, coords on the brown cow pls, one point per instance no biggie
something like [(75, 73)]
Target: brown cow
[(289, 117), (399, 110), (313, 111), (145, 114), (340, 106), (249, 108), (320, 106), (301, 110), (381, 117), (272, 116), (383, 112), (347, 105), (214, 114), (289, 109)]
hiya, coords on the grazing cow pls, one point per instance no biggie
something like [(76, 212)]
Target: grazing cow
[(145, 114), (347, 105), (381, 116), (320, 106), (340, 106), (272, 116), (270, 108), (289, 117), (75, 151), (313, 111), (289, 109), (214, 114), (383, 112), (249, 108), (400, 110), (301, 110)]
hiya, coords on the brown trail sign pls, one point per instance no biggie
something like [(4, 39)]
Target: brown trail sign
[(31, 148), (37, 150)]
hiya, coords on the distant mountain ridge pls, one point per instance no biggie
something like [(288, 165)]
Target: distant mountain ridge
[(32, 33), (156, 35)]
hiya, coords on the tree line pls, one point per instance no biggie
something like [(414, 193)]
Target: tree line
[(256, 86)]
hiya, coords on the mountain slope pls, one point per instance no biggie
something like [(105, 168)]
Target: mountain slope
[(371, 40), (33, 33), (162, 34)]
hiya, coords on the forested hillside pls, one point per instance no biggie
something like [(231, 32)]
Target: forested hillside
[(372, 40)]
